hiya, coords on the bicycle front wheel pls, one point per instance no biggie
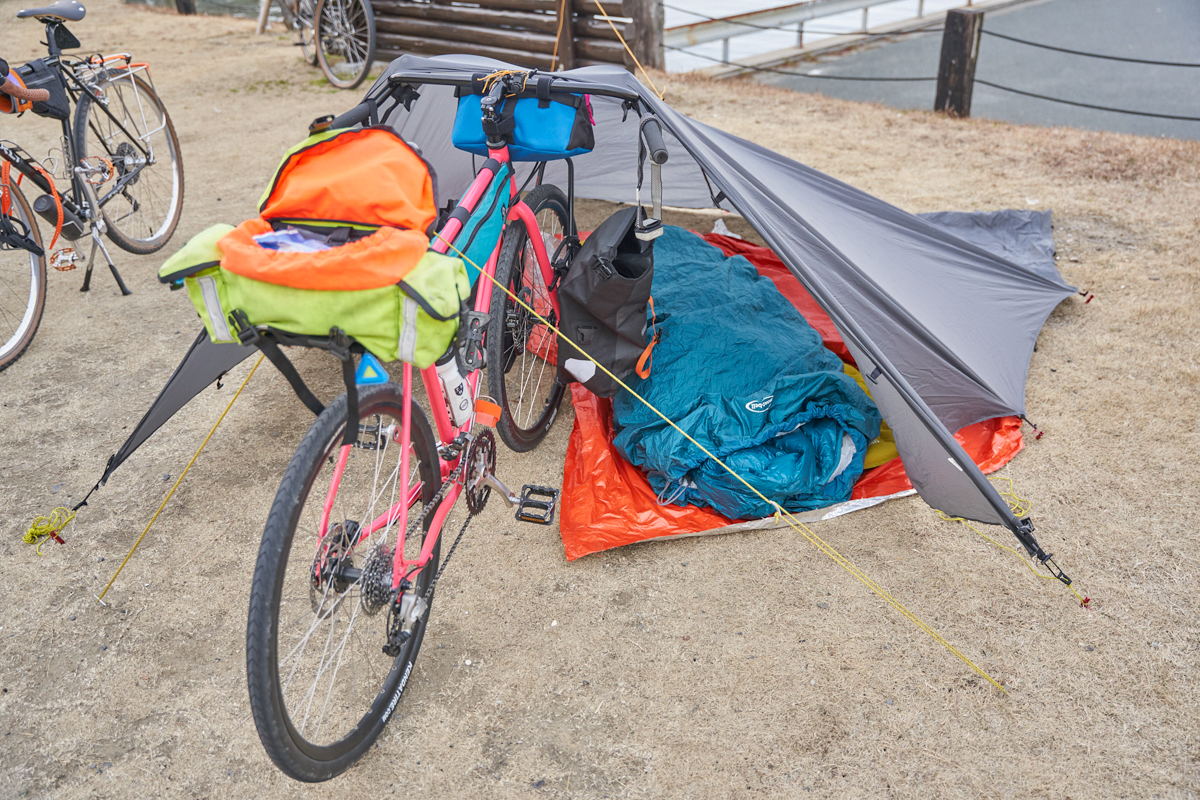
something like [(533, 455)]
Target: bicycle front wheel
[(123, 121), (321, 688), (22, 283), (306, 16), (345, 41), (521, 351)]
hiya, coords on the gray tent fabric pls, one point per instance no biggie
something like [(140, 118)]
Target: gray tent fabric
[(1022, 237), (945, 328), (203, 364)]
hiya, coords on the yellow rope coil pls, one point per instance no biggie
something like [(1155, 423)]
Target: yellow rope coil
[(44, 528), (780, 512)]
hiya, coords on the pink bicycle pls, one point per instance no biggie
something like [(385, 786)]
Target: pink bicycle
[(351, 553)]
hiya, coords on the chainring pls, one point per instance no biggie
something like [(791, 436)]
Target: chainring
[(480, 462)]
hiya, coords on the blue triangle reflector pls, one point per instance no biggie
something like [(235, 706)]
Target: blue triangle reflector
[(370, 371)]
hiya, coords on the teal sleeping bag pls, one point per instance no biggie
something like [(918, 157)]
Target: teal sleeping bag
[(740, 370)]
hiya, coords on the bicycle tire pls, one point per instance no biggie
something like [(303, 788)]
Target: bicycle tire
[(345, 36), (130, 226), (275, 705), (512, 330), (306, 15), (23, 312)]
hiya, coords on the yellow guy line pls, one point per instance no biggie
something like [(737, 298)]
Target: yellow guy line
[(1020, 507), (612, 25), (100, 599), (780, 512)]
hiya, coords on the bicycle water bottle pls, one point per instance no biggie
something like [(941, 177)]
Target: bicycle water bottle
[(456, 389)]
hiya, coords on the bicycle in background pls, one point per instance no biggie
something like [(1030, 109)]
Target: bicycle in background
[(336, 35), (120, 157)]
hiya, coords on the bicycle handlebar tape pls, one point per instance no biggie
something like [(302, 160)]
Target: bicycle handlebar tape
[(652, 130), (21, 93)]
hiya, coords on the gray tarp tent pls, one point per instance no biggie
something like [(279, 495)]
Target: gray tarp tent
[(942, 328)]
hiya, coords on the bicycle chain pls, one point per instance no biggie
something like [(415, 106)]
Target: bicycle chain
[(446, 560), (433, 503)]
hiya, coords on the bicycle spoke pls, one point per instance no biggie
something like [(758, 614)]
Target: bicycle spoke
[(330, 664)]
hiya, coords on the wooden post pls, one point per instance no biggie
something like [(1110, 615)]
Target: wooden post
[(646, 39), (956, 72), (186, 6), (264, 9), (566, 35)]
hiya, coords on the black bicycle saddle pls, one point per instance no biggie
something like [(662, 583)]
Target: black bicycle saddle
[(69, 10)]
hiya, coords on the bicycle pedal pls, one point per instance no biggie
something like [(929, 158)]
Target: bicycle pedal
[(537, 504)]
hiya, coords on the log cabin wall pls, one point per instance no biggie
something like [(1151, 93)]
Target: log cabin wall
[(522, 32)]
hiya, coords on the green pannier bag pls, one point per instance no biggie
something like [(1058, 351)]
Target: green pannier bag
[(414, 321), (368, 198)]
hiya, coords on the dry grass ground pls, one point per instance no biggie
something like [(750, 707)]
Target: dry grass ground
[(720, 667)]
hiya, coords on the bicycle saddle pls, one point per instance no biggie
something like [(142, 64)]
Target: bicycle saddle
[(69, 10)]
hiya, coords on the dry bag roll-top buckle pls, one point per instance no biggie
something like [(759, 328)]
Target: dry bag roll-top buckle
[(648, 229)]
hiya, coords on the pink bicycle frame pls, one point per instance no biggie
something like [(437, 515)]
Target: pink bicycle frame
[(446, 431)]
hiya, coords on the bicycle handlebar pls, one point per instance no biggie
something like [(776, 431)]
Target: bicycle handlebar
[(21, 93), (598, 90), (652, 131), (352, 117)]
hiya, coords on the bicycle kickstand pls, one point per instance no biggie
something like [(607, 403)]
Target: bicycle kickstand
[(87, 276)]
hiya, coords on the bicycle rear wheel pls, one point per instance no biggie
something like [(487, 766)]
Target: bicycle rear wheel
[(321, 689), (129, 126), (521, 352), (345, 31), (22, 285)]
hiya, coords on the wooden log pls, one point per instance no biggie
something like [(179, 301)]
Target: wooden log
[(473, 34), (392, 45), (956, 71), (600, 50), (564, 48), (646, 36), (545, 6), (598, 28), (611, 7), (519, 20)]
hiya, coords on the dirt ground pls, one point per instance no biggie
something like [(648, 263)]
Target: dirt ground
[(714, 667)]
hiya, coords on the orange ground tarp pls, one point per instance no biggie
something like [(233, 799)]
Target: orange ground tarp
[(607, 502)]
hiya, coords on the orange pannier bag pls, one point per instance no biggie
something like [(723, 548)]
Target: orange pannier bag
[(365, 187)]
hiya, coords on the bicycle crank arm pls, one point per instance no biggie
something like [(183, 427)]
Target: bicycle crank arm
[(491, 480)]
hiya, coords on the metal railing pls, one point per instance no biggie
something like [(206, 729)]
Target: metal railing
[(725, 28)]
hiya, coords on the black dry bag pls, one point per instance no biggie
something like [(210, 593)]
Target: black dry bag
[(603, 303)]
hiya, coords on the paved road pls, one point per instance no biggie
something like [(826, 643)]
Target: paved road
[(1165, 30)]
